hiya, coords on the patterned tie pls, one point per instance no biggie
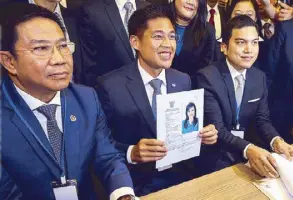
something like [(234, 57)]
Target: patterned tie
[(62, 25), (267, 32), (54, 133), (156, 85), (212, 18), (129, 10), (239, 89)]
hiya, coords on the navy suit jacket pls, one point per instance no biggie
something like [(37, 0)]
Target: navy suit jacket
[(104, 41), (220, 106), (27, 165), (279, 70), (126, 105)]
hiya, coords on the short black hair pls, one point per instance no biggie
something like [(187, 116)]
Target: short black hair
[(138, 22), (14, 14), (237, 22)]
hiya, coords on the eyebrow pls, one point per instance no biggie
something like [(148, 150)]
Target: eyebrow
[(236, 39), (46, 41), (160, 31)]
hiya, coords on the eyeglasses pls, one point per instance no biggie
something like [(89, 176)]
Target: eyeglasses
[(47, 50), (161, 37)]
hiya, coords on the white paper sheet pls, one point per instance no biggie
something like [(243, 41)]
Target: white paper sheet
[(174, 127), (279, 188)]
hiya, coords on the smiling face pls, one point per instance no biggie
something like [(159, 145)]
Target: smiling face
[(186, 9), (156, 45), (35, 74), (191, 113), (242, 49)]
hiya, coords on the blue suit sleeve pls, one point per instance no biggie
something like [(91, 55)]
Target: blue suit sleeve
[(109, 164), (8, 189)]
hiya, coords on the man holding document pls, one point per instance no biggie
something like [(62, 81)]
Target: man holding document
[(128, 96), (235, 97)]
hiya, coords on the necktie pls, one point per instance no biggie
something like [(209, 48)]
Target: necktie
[(62, 25), (54, 133), (156, 85), (239, 89), (129, 10), (267, 32), (212, 18)]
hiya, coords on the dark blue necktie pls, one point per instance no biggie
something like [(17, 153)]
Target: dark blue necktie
[(54, 133), (156, 85)]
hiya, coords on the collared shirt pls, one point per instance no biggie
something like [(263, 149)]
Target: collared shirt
[(35, 103), (122, 11), (272, 27), (235, 73), (146, 78), (217, 19), (58, 11)]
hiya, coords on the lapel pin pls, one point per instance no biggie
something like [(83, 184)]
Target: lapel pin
[(173, 85), (72, 118)]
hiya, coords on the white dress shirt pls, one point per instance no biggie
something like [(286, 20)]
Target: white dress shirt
[(235, 73), (217, 19), (58, 11), (122, 11), (34, 103), (146, 78)]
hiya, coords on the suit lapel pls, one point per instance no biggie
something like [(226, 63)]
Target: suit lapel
[(137, 90), (117, 23), (247, 92), (32, 127), (230, 87), (70, 130)]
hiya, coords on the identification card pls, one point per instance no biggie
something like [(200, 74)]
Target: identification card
[(66, 191), (238, 133)]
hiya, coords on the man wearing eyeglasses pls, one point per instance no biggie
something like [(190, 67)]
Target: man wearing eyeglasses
[(128, 96), (54, 132)]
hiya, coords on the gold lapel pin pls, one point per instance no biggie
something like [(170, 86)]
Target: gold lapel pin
[(72, 118)]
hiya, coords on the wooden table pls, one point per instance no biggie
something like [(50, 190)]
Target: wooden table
[(228, 184)]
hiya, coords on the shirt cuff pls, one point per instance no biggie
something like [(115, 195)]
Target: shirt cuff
[(116, 194), (245, 151), (272, 142), (128, 155)]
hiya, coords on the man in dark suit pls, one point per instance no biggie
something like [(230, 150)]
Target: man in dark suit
[(279, 70), (104, 38), (128, 97), (54, 131), (235, 97), (68, 18)]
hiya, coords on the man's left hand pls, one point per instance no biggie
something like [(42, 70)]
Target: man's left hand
[(282, 147), (285, 13), (209, 134)]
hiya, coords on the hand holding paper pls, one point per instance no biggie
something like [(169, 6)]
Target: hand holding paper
[(148, 150), (281, 147), (209, 134), (262, 162)]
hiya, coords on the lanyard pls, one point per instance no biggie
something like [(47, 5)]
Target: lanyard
[(18, 113), (237, 117)]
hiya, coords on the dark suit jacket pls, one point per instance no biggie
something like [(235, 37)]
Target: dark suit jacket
[(130, 116), (279, 70), (26, 163), (69, 17), (220, 107), (104, 41), (193, 58)]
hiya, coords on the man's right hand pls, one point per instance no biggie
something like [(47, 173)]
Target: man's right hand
[(148, 150), (262, 162)]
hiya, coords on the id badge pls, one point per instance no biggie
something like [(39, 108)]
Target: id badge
[(238, 133), (65, 191)]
